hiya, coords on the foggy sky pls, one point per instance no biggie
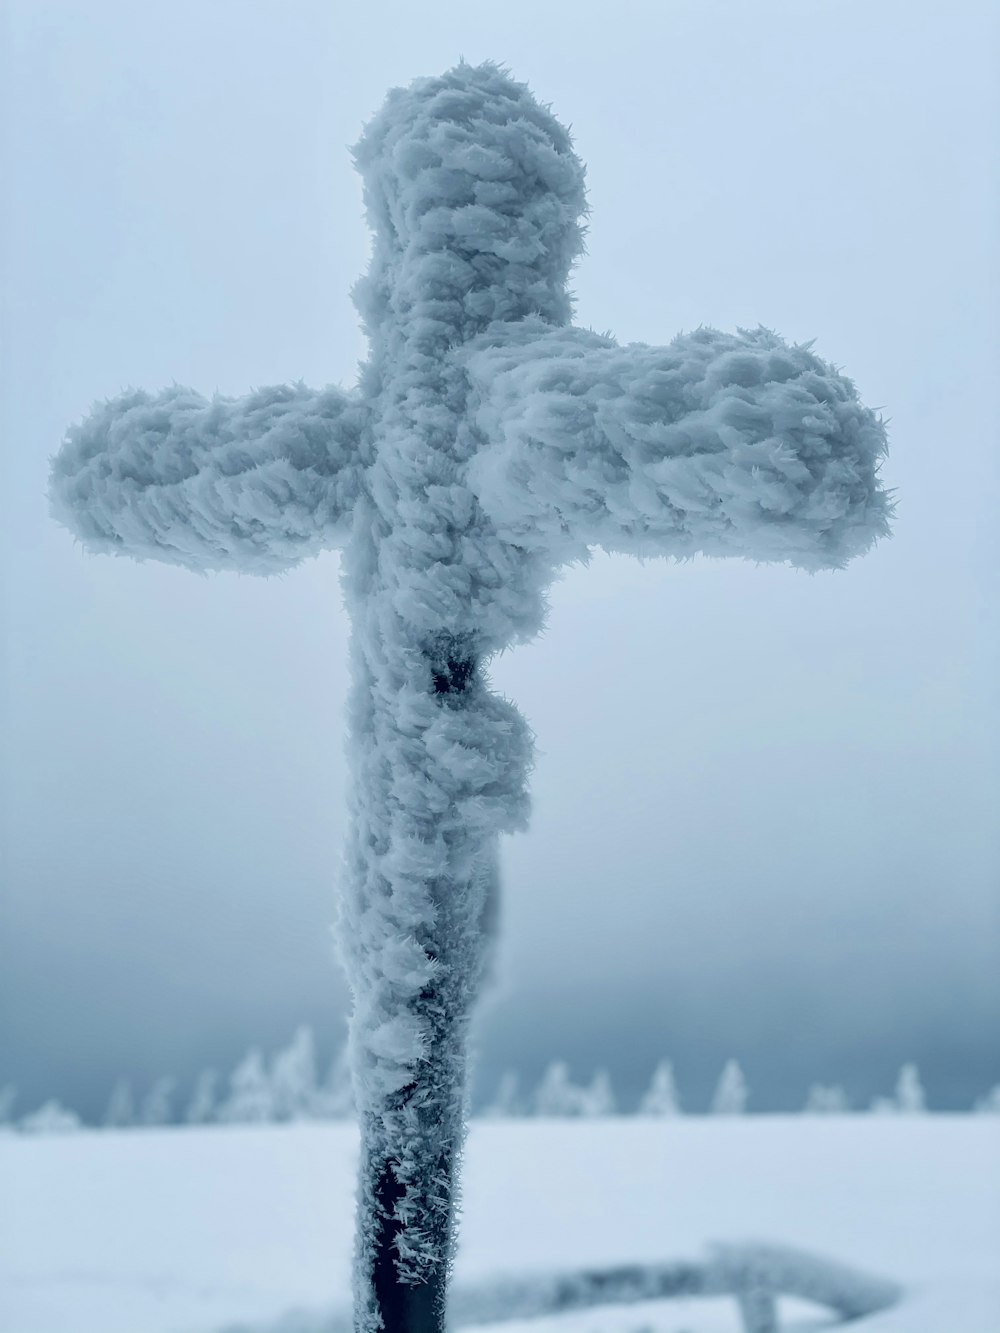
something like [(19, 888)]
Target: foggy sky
[(764, 803)]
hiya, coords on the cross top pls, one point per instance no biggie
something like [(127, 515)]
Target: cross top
[(475, 196), (487, 443)]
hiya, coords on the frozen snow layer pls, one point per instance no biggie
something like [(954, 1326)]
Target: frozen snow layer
[(191, 1230)]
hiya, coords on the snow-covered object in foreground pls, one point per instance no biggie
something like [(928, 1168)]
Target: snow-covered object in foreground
[(755, 1274), (487, 443), (758, 1274)]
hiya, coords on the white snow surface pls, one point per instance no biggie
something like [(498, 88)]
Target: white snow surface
[(191, 1230)]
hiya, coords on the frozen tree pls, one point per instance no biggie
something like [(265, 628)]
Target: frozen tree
[(201, 1107), (824, 1099), (488, 443), (293, 1078), (250, 1100), (910, 1096), (8, 1096), (335, 1095), (51, 1118), (557, 1094), (506, 1102), (883, 1106), (731, 1091), (757, 1275), (661, 1098), (121, 1106), (598, 1098), (157, 1108), (989, 1103)]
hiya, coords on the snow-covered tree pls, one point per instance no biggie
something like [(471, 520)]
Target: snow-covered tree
[(907, 1099), (293, 1078), (599, 1097), (335, 1095), (506, 1102), (661, 1098), (250, 1100), (488, 443), (910, 1096), (731, 1091), (157, 1105), (121, 1106), (201, 1107), (51, 1118), (557, 1094), (989, 1102), (826, 1099), (883, 1106)]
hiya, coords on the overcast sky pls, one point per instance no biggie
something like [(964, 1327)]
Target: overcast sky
[(764, 803)]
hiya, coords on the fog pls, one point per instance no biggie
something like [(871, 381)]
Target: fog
[(764, 803)]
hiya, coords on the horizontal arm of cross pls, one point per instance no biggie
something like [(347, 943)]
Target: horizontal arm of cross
[(723, 444), (253, 484)]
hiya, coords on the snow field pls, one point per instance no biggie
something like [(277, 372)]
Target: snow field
[(190, 1230)]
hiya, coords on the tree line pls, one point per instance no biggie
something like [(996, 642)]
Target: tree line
[(290, 1087)]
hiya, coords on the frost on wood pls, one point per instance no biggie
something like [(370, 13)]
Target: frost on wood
[(253, 484), (719, 444), (487, 443), (755, 1274)]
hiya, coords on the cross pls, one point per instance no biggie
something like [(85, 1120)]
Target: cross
[(488, 442)]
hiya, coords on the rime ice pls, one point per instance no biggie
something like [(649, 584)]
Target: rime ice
[(487, 443)]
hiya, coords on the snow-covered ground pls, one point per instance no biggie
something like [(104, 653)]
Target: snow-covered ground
[(188, 1230)]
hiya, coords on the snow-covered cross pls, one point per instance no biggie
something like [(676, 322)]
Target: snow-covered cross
[(487, 443)]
